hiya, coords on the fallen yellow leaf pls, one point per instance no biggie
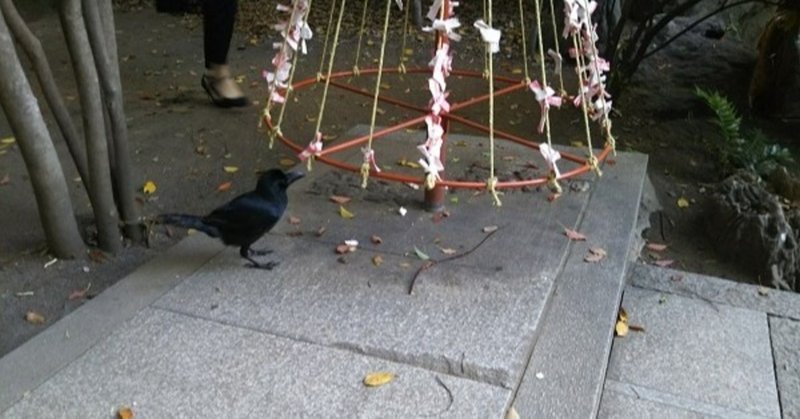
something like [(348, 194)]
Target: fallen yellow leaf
[(377, 260), (149, 187), (683, 202), (8, 140), (286, 162), (33, 317), (344, 213), (125, 413), (621, 328), (622, 315), (230, 169), (377, 379)]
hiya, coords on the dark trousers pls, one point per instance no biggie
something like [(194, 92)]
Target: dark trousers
[(218, 19)]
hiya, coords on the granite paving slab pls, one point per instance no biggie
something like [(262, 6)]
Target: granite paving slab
[(716, 290), (785, 335), (31, 364), (475, 317), (624, 401), (565, 374), (694, 350), (163, 364)]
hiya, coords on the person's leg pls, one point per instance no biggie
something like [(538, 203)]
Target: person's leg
[(218, 20)]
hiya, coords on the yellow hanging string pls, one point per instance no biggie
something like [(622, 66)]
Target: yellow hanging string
[(524, 43), (491, 183), (328, 77), (562, 92), (578, 45), (552, 181), (402, 67), (325, 47), (356, 70), (365, 164), (606, 124), (276, 130)]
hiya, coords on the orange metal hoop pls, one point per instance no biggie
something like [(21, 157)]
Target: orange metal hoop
[(512, 85)]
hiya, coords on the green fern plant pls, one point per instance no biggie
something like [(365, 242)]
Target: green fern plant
[(752, 150)]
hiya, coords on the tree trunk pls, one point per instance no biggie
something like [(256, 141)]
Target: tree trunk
[(33, 49), (99, 184), (36, 146), (103, 41)]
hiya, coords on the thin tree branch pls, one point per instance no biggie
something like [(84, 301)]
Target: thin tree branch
[(431, 263)]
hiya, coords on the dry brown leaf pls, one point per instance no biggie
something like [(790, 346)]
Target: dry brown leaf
[(342, 249), (125, 413), (376, 240), (656, 247), (33, 317), (377, 379), (448, 251), (636, 328), (596, 254), (377, 260), (294, 220), (79, 294), (341, 200), (574, 235), (489, 229), (663, 263), (5, 180), (321, 231), (224, 186)]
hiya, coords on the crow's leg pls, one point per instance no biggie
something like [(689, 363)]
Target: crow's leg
[(259, 252), (245, 252)]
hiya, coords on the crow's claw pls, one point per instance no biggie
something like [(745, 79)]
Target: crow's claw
[(268, 266)]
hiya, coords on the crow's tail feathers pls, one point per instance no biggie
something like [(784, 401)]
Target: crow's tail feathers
[(188, 221)]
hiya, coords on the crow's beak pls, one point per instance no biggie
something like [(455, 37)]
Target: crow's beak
[(293, 176)]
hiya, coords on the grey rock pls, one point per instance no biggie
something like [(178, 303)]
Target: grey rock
[(785, 334), (749, 227)]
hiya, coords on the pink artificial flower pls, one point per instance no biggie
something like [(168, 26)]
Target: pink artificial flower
[(546, 97), (441, 65), (369, 158), (551, 156), (490, 35), (438, 103), (313, 148), (446, 27)]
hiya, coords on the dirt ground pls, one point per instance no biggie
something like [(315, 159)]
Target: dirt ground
[(182, 143)]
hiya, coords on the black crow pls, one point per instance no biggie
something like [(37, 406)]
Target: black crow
[(246, 218)]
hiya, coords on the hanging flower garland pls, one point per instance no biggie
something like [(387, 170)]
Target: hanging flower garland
[(295, 31), (441, 65)]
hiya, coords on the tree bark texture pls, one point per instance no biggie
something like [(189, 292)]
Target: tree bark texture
[(105, 212), (102, 38), (36, 146), (31, 46)]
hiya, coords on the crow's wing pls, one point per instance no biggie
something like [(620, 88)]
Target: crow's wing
[(244, 219)]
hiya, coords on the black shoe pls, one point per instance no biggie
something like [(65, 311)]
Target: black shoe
[(209, 84)]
